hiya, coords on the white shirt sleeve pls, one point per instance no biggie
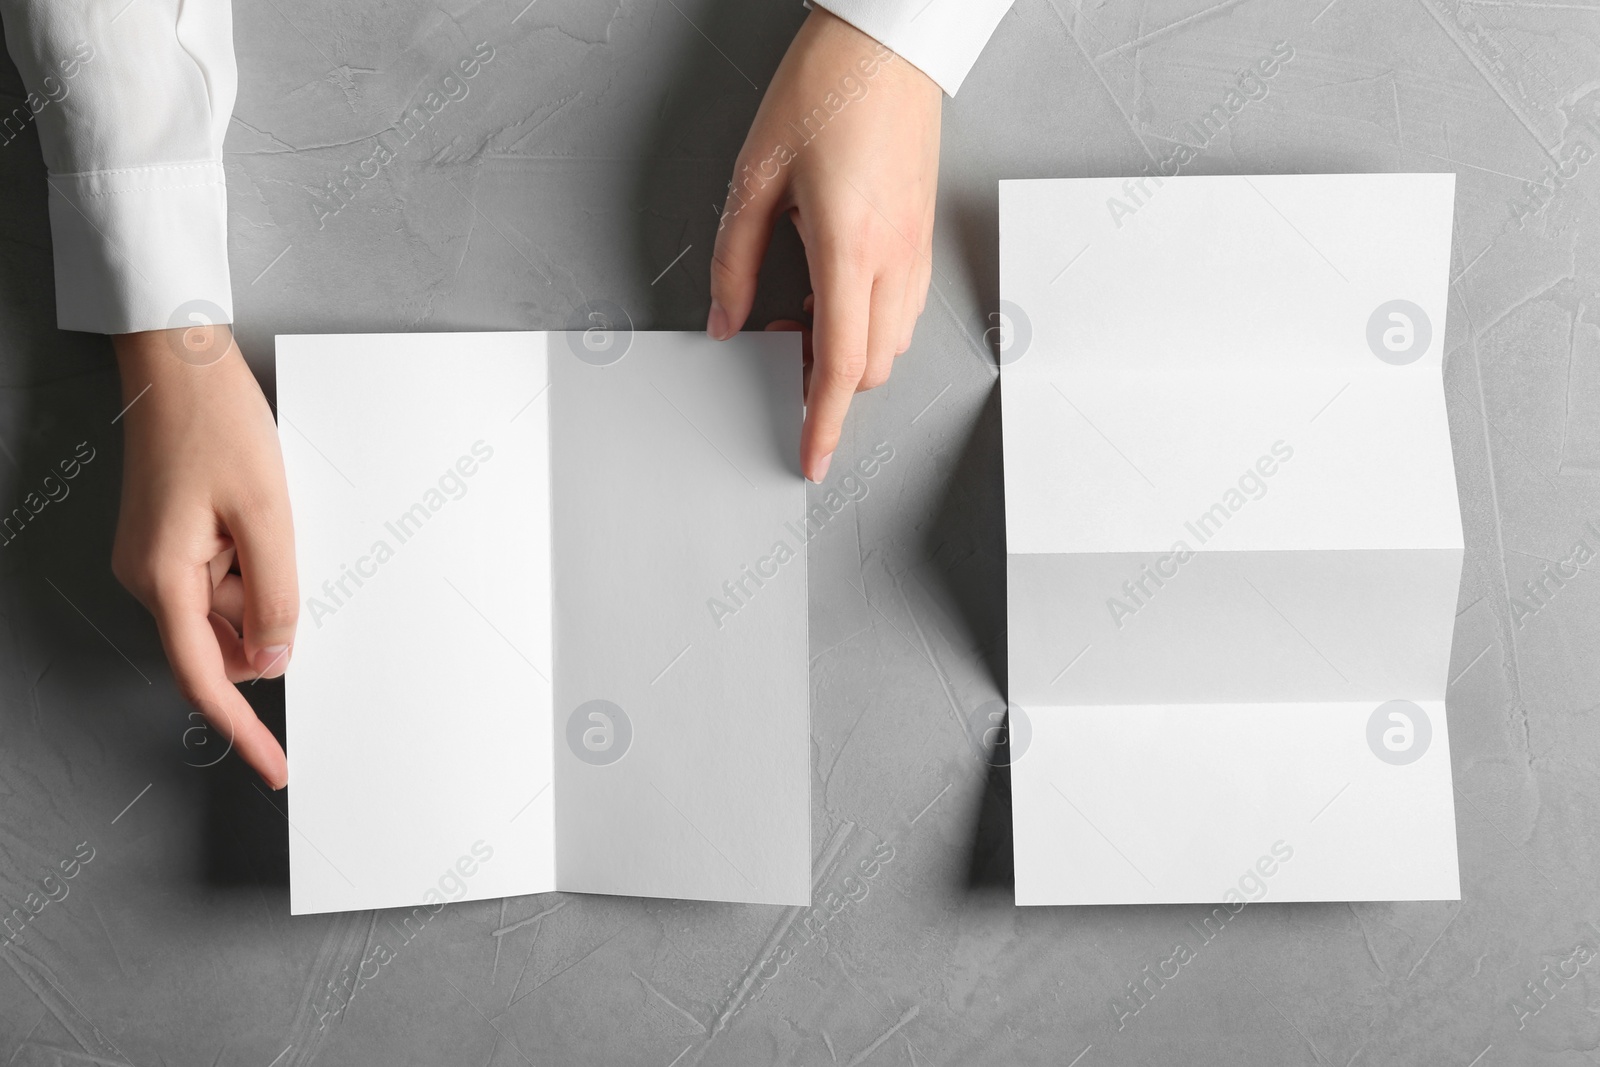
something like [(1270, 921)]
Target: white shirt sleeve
[(941, 38), (131, 99)]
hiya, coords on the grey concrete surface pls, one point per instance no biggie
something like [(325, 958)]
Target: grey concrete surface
[(588, 154)]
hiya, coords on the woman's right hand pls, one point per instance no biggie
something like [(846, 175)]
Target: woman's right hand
[(204, 535)]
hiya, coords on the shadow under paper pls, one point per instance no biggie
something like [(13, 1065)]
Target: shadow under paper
[(965, 567)]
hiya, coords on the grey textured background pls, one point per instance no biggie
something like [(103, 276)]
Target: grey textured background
[(589, 153)]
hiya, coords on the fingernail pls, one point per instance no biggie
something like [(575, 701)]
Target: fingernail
[(269, 657), (276, 775), (819, 469), (717, 322)]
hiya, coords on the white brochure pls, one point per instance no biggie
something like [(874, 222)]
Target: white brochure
[(1233, 539), (553, 617)]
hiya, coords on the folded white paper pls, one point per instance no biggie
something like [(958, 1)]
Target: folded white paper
[(1233, 537), (553, 625)]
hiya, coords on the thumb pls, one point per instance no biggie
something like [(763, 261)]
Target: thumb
[(742, 239), (264, 537)]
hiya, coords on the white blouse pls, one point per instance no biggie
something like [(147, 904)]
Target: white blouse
[(132, 100)]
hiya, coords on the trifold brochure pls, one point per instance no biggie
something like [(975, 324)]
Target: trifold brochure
[(553, 617), (1233, 539)]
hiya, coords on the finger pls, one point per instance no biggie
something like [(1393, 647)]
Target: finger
[(234, 664), (183, 618), (911, 306), (884, 328), (221, 563), (793, 326), (227, 600), (839, 341), (742, 239), (810, 307), (917, 285), (787, 325), (264, 537)]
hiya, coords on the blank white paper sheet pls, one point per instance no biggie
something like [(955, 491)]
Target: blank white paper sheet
[(1233, 537), (509, 675)]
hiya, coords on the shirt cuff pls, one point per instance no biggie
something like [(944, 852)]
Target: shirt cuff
[(142, 248), (941, 38)]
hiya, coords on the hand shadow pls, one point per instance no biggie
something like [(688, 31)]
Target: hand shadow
[(708, 103), (101, 710)]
